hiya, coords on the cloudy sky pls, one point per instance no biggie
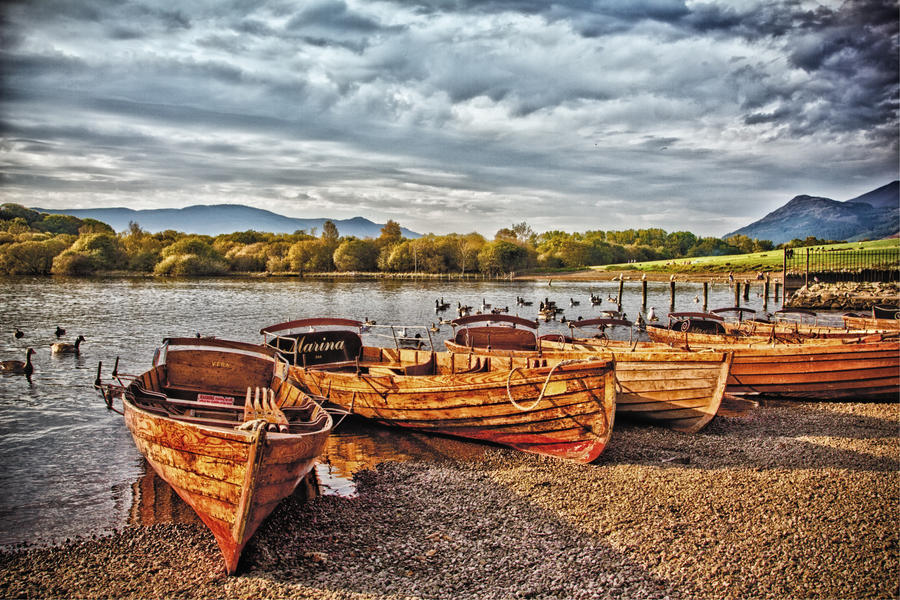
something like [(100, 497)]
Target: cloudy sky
[(451, 115)]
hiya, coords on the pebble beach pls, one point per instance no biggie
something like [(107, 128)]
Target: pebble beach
[(787, 500)]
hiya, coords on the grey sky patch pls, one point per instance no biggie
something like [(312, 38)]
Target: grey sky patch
[(452, 116)]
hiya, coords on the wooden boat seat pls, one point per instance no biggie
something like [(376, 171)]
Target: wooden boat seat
[(496, 338), (212, 373), (425, 368), (478, 367)]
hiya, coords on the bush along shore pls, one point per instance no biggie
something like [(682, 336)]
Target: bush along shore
[(790, 500)]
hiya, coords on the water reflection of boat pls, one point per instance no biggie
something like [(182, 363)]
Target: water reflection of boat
[(359, 445), (558, 408), (154, 501), (231, 459)]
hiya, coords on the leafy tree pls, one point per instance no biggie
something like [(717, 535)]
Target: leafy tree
[(248, 257), (10, 211), (310, 255), (16, 226), (356, 255), (679, 243), (402, 258), (192, 255), (330, 232), (102, 249), (501, 256), (30, 257), (712, 246), (142, 250), (184, 265), (198, 245), (390, 234), (70, 262), (94, 226), (59, 224)]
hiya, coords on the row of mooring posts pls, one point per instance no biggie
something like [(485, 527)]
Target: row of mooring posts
[(741, 292)]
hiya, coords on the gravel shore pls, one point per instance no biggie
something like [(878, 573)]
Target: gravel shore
[(793, 500)]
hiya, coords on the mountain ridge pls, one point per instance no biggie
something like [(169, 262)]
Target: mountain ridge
[(873, 215), (215, 219)]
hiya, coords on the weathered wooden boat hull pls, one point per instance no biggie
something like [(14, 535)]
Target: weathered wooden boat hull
[(867, 371), (815, 369), (784, 331), (673, 388), (187, 417), (232, 479), (859, 322), (494, 403), (688, 339)]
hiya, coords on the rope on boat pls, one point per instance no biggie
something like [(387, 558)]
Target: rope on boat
[(543, 387)]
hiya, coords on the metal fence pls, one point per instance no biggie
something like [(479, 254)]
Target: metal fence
[(805, 265)]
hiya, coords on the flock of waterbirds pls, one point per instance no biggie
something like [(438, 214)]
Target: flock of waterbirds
[(548, 310), (26, 367)]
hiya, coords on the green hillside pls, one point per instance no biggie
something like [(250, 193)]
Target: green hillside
[(739, 263)]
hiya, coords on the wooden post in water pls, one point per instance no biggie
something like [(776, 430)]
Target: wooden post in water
[(621, 288), (746, 290), (737, 293), (777, 289), (766, 293), (644, 296), (705, 295), (672, 295)]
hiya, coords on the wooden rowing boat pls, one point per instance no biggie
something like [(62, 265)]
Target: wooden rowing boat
[(675, 388), (554, 407), (220, 422), (788, 325), (689, 328), (882, 318), (861, 368)]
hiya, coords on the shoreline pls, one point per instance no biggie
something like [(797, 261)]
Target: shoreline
[(790, 500)]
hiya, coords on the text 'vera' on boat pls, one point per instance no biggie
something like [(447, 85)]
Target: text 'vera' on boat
[(679, 389), (554, 407), (220, 422), (829, 368)]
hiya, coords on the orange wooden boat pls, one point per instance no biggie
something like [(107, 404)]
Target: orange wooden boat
[(882, 318), (711, 328), (675, 388), (861, 368), (554, 407), (220, 422), (787, 325)]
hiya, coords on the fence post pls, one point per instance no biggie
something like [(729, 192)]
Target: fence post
[(806, 276)]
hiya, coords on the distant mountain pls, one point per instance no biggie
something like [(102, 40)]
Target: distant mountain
[(221, 218), (874, 215)]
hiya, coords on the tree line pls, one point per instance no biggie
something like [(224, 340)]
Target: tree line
[(35, 243)]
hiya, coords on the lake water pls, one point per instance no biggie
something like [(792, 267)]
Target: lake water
[(68, 466)]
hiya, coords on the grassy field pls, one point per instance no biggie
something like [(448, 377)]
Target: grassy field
[(770, 261)]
